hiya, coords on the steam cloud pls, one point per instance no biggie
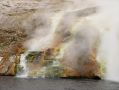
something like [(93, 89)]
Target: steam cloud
[(50, 29)]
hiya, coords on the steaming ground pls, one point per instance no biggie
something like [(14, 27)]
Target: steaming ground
[(102, 25), (108, 24), (54, 25)]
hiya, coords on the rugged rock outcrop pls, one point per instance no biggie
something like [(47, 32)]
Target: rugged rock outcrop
[(19, 19)]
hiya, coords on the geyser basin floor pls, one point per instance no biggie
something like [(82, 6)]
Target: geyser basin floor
[(11, 83)]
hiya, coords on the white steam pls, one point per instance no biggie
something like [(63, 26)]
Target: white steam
[(80, 48), (107, 21), (38, 26), (48, 30)]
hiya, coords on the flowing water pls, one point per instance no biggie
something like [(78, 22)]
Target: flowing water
[(23, 64), (109, 46)]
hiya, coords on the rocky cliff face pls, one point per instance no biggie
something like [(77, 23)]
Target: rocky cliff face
[(19, 19), (10, 49)]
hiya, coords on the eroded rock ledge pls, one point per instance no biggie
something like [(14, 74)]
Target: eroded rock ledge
[(19, 19)]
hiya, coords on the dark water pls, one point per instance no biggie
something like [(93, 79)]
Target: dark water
[(11, 83)]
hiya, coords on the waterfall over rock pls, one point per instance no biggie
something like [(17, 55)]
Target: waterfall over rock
[(59, 38)]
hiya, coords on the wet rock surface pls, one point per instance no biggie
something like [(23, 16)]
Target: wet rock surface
[(56, 84), (19, 19), (10, 49), (8, 64)]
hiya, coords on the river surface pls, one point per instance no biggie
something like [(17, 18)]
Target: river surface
[(12, 83)]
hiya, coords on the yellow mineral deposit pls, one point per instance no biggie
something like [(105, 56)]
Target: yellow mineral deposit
[(76, 38)]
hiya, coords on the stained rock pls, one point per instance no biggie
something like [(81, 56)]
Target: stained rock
[(8, 65), (20, 19)]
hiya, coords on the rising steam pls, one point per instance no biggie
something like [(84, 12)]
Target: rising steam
[(49, 30), (109, 48)]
